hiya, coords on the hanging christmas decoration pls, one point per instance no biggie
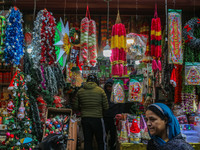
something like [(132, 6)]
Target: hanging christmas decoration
[(192, 73), (176, 81), (36, 42), (156, 37), (92, 49), (48, 55), (74, 35), (156, 49), (188, 33), (2, 34), (88, 53), (84, 41), (175, 37), (64, 43), (14, 37), (118, 46), (43, 39), (57, 38)]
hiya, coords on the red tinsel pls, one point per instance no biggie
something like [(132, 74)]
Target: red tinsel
[(178, 88), (47, 39)]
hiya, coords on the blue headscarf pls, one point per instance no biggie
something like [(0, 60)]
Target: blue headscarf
[(173, 127)]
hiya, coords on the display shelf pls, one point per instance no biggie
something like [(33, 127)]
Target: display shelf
[(4, 84)]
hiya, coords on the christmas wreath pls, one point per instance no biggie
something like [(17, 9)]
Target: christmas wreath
[(188, 33), (74, 35)]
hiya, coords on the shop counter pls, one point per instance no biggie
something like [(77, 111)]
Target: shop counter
[(141, 146)]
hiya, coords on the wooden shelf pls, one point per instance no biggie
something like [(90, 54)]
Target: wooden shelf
[(5, 84)]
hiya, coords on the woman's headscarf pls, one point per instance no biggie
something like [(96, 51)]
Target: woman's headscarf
[(173, 127)]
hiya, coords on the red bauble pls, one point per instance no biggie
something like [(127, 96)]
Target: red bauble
[(3, 143), (12, 136)]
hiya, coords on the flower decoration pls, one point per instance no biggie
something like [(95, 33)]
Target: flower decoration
[(64, 43)]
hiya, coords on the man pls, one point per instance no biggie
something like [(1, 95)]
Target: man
[(91, 100), (109, 116)]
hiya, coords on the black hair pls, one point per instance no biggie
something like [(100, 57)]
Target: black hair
[(156, 111), (92, 78)]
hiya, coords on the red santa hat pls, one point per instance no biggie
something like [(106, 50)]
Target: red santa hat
[(134, 127)]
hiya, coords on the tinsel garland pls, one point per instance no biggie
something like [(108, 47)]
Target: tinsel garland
[(43, 39), (51, 83), (2, 34), (14, 37), (56, 39), (47, 39), (36, 42), (178, 88), (189, 31)]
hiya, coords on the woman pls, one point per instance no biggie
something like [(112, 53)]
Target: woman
[(164, 129)]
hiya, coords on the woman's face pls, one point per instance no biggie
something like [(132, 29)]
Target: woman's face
[(155, 124)]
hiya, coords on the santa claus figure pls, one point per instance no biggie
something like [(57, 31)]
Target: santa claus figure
[(10, 106)]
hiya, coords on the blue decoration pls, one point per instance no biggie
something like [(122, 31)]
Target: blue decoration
[(14, 37), (58, 126)]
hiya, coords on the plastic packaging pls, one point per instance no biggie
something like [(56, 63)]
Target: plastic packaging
[(118, 95)]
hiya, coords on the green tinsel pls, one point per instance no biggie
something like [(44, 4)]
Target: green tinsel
[(57, 38)]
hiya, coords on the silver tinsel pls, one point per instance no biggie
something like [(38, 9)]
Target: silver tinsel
[(36, 42), (51, 82)]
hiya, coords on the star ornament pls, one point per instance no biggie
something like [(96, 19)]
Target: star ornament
[(64, 43)]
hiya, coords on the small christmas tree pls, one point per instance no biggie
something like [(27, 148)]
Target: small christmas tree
[(20, 133)]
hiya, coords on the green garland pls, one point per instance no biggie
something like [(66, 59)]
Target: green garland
[(57, 38)]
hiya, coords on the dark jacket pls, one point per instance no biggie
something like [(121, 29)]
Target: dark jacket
[(113, 108), (177, 143), (91, 100)]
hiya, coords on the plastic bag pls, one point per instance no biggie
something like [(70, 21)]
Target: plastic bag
[(118, 95), (144, 130), (136, 45), (135, 89)]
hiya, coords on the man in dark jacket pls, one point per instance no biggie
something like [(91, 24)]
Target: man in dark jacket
[(109, 115), (91, 100)]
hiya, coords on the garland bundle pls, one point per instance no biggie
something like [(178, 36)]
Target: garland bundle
[(14, 37), (47, 38), (156, 38), (88, 53), (118, 46), (92, 50), (43, 39)]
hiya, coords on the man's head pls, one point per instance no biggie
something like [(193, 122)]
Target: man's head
[(109, 87), (92, 78)]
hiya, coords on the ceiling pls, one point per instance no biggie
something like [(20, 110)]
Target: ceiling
[(99, 7)]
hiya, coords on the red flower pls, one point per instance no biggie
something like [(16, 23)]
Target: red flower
[(188, 28), (189, 38)]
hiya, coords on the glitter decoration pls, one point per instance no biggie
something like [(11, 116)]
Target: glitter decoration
[(14, 37)]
